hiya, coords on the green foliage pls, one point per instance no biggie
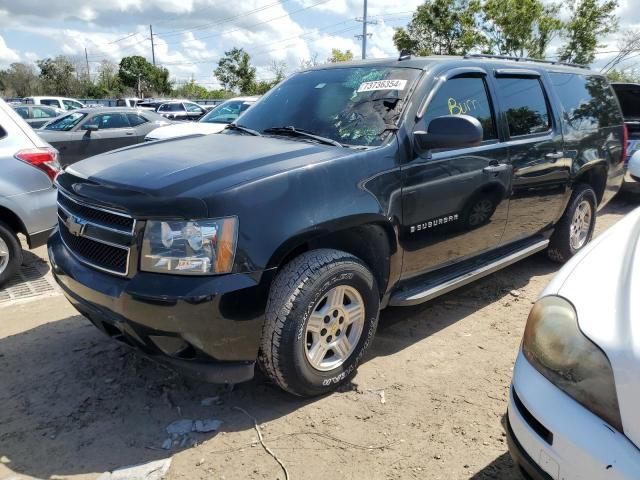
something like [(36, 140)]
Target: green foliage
[(624, 76), (57, 76), (137, 73), (590, 20), (235, 71), (442, 27), (520, 27), (338, 55), (19, 79)]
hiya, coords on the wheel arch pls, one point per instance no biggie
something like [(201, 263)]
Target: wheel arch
[(368, 237), (12, 220), (596, 177)]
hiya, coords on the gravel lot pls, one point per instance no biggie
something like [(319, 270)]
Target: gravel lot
[(428, 402)]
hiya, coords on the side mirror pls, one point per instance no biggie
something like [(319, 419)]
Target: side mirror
[(91, 127), (449, 131)]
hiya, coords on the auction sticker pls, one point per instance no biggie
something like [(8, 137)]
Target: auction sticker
[(382, 85)]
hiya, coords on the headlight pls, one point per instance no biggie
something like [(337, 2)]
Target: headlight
[(555, 346), (199, 247)]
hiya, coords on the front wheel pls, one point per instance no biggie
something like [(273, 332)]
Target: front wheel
[(575, 228), (321, 316)]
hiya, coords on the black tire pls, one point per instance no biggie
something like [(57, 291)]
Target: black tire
[(560, 248), (295, 292), (15, 253)]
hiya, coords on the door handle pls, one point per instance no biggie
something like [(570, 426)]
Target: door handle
[(554, 155), (497, 168), (129, 133)]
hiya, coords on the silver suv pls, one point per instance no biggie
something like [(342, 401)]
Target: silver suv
[(27, 193)]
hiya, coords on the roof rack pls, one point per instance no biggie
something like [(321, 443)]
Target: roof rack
[(524, 59)]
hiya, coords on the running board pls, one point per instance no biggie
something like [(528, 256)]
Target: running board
[(424, 293)]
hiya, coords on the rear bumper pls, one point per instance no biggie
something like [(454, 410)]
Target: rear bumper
[(207, 327)]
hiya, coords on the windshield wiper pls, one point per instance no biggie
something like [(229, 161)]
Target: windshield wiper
[(296, 132), (242, 128)]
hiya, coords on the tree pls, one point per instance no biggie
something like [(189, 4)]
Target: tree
[(20, 79), (625, 76), (312, 61), (340, 56), (520, 27), (137, 73), (590, 21), (442, 27), (57, 76), (235, 71), (191, 90)]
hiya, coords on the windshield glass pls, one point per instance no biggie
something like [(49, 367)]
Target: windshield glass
[(66, 123), (226, 112), (352, 105)]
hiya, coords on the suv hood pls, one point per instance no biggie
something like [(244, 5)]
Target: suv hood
[(603, 282), (184, 129), (181, 166)]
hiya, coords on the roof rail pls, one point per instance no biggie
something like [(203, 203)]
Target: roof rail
[(524, 59)]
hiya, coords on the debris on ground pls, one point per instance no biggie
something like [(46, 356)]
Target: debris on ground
[(180, 427), (205, 426), (185, 426), (155, 470), (515, 293)]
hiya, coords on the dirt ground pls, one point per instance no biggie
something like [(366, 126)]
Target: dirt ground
[(428, 402)]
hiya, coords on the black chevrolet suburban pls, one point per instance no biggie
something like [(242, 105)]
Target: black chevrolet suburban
[(345, 189)]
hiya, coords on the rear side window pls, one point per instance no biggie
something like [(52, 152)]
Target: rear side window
[(525, 105), (135, 119), (106, 121), (43, 112), (49, 101), (588, 101), (464, 96)]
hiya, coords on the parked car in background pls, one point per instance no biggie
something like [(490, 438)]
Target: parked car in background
[(213, 122), (36, 115), (27, 195), (62, 103), (150, 103), (127, 102), (89, 131), (633, 168), (629, 97), (347, 188), (181, 110), (573, 406)]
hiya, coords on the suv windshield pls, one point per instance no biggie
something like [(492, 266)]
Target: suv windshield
[(351, 105), (66, 123), (226, 112)]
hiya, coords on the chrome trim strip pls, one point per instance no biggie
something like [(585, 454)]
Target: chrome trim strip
[(433, 292), (115, 245), (97, 267), (98, 225)]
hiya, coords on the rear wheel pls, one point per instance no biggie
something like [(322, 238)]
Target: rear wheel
[(575, 228), (10, 253), (321, 316)]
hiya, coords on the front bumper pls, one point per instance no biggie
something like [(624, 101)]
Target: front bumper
[(553, 435), (208, 327)]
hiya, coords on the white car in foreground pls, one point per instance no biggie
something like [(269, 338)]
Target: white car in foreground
[(213, 122), (574, 404)]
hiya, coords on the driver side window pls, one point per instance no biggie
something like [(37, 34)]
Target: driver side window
[(464, 96)]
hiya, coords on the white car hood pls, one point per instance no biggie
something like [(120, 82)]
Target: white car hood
[(603, 283), (184, 129)]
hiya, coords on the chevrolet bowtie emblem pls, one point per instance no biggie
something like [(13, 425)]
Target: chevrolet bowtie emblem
[(75, 226)]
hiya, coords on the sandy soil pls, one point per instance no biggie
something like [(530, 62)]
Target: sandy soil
[(428, 402)]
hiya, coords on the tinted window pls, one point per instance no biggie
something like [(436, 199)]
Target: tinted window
[(464, 96), (135, 119), (172, 107), (23, 112), (66, 123), (193, 108), (121, 103), (109, 120), (43, 112), (352, 105), (50, 101), (588, 101), (525, 105)]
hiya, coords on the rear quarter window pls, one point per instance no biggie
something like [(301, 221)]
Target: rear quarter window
[(588, 102)]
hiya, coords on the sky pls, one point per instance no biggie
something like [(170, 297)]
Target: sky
[(190, 36)]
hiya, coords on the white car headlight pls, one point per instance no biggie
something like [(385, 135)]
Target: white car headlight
[(199, 247), (555, 346)]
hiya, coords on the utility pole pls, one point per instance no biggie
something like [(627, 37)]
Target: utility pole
[(86, 57), (153, 50), (365, 22)]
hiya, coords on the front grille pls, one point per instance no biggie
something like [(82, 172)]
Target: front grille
[(101, 255), (97, 237), (98, 216)]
